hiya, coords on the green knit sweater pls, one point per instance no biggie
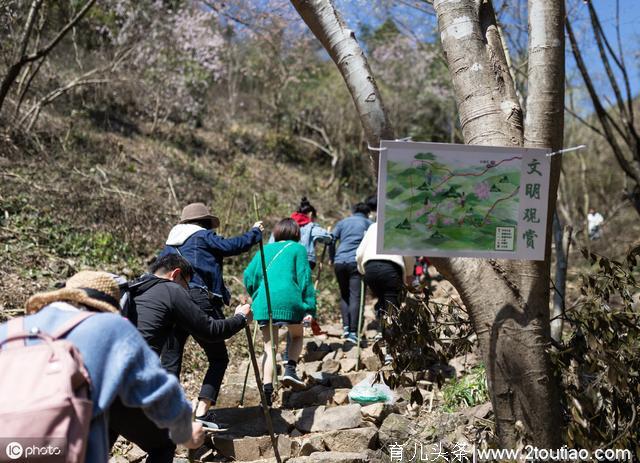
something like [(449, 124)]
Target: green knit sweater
[(290, 287)]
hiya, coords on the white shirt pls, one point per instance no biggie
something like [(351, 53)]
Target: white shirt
[(594, 220), (367, 251)]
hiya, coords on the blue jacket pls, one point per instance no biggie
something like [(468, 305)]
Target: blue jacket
[(349, 232), (309, 235), (204, 250), (120, 364)]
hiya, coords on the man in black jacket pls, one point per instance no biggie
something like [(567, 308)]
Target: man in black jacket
[(160, 301)]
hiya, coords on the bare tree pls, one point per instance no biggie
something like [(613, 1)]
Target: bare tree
[(508, 300), (617, 120), (23, 57)]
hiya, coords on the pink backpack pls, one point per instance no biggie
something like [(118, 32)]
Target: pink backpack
[(45, 405)]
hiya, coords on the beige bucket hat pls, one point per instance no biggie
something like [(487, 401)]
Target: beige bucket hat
[(95, 290), (198, 211)]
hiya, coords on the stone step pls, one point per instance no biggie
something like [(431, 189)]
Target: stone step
[(254, 448), (250, 421)]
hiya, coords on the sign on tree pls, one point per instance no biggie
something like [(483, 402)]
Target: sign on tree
[(447, 200)]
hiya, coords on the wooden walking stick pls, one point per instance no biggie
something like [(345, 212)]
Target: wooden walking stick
[(263, 399), (192, 453), (268, 296), (246, 373), (360, 316)]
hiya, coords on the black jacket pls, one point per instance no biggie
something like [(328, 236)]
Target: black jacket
[(160, 304)]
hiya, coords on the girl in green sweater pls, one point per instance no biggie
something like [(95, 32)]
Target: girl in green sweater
[(293, 298)]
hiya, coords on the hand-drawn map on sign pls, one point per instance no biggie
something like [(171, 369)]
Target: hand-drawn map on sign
[(445, 200)]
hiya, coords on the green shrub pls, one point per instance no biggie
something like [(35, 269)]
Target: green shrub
[(468, 391)]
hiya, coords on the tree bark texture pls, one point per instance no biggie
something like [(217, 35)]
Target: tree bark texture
[(508, 301), (323, 19)]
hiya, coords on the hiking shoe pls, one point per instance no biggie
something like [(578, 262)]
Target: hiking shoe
[(345, 332), (291, 378), (378, 336), (351, 338), (208, 421), (388, 359)]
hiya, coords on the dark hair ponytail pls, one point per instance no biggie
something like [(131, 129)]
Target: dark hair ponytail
[(305, 207)]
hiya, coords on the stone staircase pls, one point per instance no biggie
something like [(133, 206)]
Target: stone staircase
[(315, 424)]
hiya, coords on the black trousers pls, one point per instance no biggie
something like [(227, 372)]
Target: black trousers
[(349, 281), (216, 352), (384, 278), (133, 425)]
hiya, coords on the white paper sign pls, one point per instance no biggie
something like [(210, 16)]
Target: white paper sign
[(447, 200)]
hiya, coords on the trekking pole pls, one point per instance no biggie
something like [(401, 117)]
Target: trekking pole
[(246, 373), (360, 316), (192, 453), (266, 409), (266, 290)]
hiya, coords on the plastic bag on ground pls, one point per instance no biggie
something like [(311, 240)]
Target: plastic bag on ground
[(366, 393)]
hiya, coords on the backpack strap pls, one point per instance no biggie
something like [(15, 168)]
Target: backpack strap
[(15, 327), (71, 324)]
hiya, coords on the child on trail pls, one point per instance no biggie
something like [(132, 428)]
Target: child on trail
[(292, 297), (349, 233), (124, 373), (194, 239)]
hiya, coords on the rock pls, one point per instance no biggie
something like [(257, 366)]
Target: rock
[(334, 331), (311, 367), (378, 412), (331, 366), (321, 377), (370, 361), (230, 395), (315, 350), (333, 355), (351, 439), (348, 380), (347, 365), (251, 448), (317, 395), (464, 363), (118, 459), (341, 396), (310, 444), (395, 428), (136, 454), (333, 457), (479, 411), (316, 419), (250, 421)]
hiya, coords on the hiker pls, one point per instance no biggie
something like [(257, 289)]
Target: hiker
[(349, 233), (384, 274), (121, 369), (292, 296), (594, 221), (194, 239), (161, 301), (310, 232)]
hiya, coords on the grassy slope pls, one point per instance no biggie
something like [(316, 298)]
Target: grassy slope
[(93, 198)]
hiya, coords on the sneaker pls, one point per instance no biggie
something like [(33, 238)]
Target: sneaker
[(291, 378), (378, 336), (351, 338), (345, 332), (208, 421), (388, 359)]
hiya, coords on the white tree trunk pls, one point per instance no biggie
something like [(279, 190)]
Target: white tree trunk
[(508, 301), (325, 22)]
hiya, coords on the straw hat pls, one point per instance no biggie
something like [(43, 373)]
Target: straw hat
[(198, 211), (95, 290)]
